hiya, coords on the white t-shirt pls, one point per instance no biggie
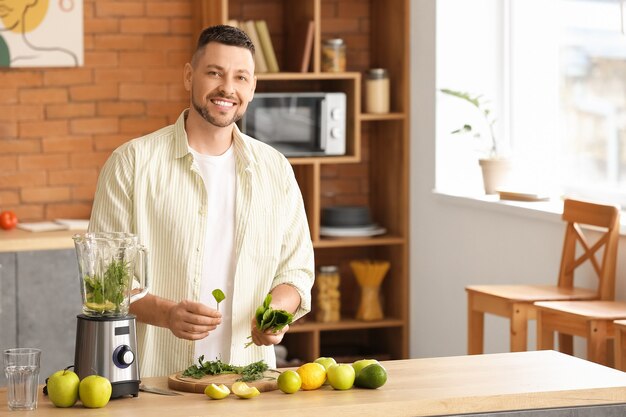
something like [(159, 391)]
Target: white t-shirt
[(218, 260)]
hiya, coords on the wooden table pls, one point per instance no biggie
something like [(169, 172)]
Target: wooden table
[(416, 387), (16, 240)]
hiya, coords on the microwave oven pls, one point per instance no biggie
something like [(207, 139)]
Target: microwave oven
[(298, 124)]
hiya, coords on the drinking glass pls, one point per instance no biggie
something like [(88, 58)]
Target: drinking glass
[(21, 367)]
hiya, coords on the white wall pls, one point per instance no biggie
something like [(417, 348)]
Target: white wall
[(454, 245)]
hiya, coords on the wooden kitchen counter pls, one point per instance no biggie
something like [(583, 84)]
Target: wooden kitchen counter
[(17, 240), (416, 387)]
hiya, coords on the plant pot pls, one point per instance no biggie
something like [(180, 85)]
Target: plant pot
[(496, 173)]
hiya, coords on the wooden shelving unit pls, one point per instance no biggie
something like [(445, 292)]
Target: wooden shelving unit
[(377, 143)]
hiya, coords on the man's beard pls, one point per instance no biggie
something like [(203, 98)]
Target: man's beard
[(204, 112)]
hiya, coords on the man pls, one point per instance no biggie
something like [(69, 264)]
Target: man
[(216, 210)]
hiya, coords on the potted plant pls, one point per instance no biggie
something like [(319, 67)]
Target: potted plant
[(494, 167)]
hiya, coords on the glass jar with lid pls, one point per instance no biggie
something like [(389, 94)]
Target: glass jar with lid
[(377, 91), (334, 55), (328, 305)]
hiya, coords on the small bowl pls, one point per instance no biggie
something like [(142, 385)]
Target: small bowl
[(346, 216)]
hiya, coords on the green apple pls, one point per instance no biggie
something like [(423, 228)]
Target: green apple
[(360, 364), (95, 391), (63, 388), (341, 376), (326, 363)]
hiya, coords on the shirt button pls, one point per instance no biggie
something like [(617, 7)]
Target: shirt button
[(198, 249)]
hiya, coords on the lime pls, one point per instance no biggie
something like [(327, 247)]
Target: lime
[(217, 392), (242, 390), (312, 374), (372, 376), (289, 382)]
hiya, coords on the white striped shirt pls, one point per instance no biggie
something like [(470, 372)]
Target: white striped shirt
[(151, 186)]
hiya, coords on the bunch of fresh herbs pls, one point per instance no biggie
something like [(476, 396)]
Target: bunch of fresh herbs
[(108, 292), (251, 372), (268, 318)]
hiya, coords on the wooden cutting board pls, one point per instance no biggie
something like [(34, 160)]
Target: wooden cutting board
[(187, 384)]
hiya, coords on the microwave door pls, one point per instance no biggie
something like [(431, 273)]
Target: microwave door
[(321, 132)]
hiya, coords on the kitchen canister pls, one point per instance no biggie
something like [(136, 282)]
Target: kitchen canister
[(328, 296), (334, 55), (377, 91)]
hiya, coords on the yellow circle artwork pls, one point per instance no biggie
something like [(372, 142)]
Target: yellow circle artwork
[(23, 16)]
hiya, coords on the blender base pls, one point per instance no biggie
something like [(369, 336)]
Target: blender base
[(107, 346), (124, 389)]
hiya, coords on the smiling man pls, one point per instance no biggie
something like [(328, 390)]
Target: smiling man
[(216, 209)]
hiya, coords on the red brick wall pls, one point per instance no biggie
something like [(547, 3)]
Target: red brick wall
[(347, 184), (59, 125)]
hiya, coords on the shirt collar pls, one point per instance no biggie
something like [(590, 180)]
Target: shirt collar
[(243, 152), (181, 144), (241, 142)]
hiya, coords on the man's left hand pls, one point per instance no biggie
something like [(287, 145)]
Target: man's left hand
[(268, 337)]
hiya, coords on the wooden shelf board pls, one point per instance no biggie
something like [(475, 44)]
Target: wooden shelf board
[(324, 160), (344, 325), (285, 76), (371, 117), (352, 242)]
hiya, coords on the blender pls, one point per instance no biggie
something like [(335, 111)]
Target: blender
[(112, 275)]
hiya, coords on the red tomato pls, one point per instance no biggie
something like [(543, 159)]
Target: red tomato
[(8, 220)]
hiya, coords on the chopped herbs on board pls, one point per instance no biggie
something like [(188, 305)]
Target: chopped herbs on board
[(269, 319), (251, 372)]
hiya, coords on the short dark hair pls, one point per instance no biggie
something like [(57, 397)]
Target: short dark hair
[(224, 34)]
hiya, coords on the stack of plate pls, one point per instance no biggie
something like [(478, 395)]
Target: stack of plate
[(348, 221)]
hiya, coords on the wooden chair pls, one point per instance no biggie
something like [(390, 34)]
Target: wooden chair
[(516, 302), (620, 344), (593, 320)]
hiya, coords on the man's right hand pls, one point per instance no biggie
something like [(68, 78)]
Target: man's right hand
[(192, 321), (186, 319)]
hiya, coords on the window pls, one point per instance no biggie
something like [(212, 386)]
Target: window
[(556, 71)]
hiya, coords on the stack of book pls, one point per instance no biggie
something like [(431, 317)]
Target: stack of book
[(265, 56)]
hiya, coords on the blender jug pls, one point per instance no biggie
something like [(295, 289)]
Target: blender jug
[(112, 272)]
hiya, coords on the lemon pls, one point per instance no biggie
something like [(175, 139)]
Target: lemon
[(217, 392), (372, 376), (289, 382), (312, 374), (242, 390), (101, 308), (327, 363)]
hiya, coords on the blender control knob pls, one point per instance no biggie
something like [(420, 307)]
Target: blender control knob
[(123, 356)]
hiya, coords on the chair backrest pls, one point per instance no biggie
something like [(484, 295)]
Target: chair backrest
[(598, 219)]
